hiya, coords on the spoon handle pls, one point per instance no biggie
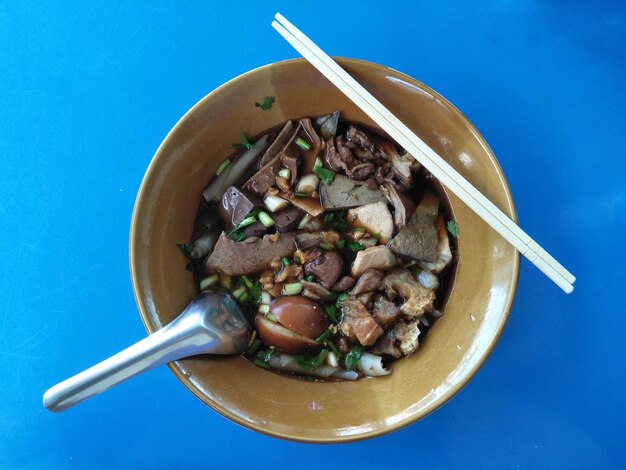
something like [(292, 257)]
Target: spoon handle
[(180, 338)]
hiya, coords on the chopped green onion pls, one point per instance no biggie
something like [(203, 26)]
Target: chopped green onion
[(327, 246), (238, 235), (311, 362), (244, 297), (358, 229), (209, 281), (264, 308), (286, 261), (222, 167), (341, 244), (354, 217), (300, 195), (303, 144), (310, 278), (237, 293), (323, 337), (334, 349), (376, 235), (266, 220), (292, 289), (247, 221), (245, 143), (343, 296), (324, 174), (356, 246), (285, 173), (270, 316), (304, 221), (249, 284), (266, 298), (254, 347)]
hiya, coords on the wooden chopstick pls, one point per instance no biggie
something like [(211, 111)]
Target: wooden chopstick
[(425, 155)]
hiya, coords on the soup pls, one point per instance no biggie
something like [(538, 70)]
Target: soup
[(335, 242)]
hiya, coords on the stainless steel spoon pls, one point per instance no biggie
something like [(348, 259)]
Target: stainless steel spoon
[(213, 323)]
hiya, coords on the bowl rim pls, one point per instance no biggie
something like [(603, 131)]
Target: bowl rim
[(445, 397)]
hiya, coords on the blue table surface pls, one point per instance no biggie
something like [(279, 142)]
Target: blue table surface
[(89, 90)]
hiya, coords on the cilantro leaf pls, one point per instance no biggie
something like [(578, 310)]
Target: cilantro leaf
[(353, 357), (333, 313), (267, 103), (336, 220), (453, 228), (343, 296), (356, 246)]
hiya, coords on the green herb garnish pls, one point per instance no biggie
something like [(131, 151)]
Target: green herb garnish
[(245, 143), (343, 296), (303, 144), (246, 280), (333, 313), (267, 103), (323, 337), (336, 220), (264, 355), (326, 175), (260, 363), (286, 261), (310, 278), (249, 292), (453, 228), (353, 357), (254, 346), (334, 349), (222, 167), (238, 235), (341, 244), (356, 246), (311, 362), (186, 249), (300, 195)]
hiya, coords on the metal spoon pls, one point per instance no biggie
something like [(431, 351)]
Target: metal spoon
[(213, 323)]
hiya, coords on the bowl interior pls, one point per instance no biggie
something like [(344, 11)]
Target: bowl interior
[(477, 307)]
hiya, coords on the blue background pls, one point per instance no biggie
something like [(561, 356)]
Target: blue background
[(87, 93)]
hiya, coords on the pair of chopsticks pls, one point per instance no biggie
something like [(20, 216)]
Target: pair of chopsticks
[(439, 168)]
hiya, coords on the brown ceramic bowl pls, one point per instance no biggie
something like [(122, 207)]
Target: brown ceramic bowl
[(482, 290)]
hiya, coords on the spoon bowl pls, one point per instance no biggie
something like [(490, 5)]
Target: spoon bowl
[(213, 323)]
